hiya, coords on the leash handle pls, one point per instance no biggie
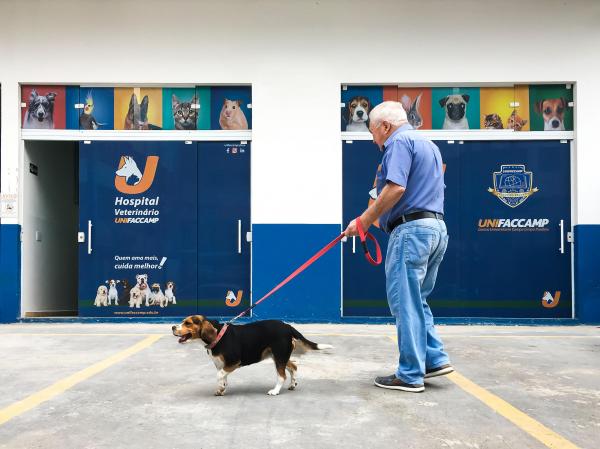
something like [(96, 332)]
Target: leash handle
[(363, 240)]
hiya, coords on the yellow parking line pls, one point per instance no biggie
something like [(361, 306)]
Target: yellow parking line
[(79, 334), (534, 428), (18, 408), (523, 421)]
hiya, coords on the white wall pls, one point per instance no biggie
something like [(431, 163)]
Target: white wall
[(296, 54)]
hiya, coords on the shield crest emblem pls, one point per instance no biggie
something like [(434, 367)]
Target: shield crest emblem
[(513, 185)]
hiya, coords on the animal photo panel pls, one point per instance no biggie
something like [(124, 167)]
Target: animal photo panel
[(98, 108), (455, 108), (549, 107), (138, 108), (180, 109), (417, 104), (44, 107), (357, 103), (229, 108)]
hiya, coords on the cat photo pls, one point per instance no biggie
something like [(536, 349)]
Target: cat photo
[(184, 114), (492, 121)]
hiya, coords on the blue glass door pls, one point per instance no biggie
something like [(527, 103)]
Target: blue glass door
[(223, 223), (507, 204), (138, 219)]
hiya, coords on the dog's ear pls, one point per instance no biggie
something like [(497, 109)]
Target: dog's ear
[(563, 102), (33, 95), (443, 101), (51, 96), (539, 106), (466, 97), (208, 332)]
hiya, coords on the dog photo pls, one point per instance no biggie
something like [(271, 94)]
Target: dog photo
[(455, 108), (43, 107), (138, 108), (549, 108), (356, 104)]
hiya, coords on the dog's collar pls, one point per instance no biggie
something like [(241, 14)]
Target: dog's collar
[(219, 336)]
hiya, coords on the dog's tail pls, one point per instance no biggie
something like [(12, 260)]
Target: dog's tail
[(305, 343)]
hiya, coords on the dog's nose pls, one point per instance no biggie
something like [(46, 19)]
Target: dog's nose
[(555, 123), (173, 328), (360, 113)]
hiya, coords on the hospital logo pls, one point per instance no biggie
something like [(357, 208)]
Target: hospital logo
[(232, 300), (512, 185), (549, 301), (130, 180)]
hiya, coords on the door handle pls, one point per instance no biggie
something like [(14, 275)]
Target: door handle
[(353, 244), (562, 236), (239, 236), (89, 236)]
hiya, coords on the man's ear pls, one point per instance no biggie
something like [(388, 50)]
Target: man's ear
[(208, 333)]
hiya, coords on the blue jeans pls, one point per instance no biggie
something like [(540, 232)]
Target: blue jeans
[(415, 251)]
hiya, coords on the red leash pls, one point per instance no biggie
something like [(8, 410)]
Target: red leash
[(363, 239)]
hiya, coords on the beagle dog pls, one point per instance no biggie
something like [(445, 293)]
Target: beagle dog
[(243, 345), (358, 114)]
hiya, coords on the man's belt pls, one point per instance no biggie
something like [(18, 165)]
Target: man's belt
[(415, 216)]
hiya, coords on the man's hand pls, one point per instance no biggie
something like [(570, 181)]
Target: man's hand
[(351, 230)]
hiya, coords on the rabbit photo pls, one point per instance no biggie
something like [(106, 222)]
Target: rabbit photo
[(412, 110)]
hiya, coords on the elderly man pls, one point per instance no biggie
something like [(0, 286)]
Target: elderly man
[(410, 207)]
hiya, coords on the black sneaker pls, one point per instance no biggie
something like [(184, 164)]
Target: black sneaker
[(393, 383), (439, 371)]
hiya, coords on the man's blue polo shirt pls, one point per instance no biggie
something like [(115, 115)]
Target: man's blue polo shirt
[(414, 163)]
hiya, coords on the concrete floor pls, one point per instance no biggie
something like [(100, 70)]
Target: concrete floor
[(162, 396)]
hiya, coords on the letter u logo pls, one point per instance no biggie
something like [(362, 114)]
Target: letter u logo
[(129, 179)]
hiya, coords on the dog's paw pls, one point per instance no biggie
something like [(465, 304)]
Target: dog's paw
[(220, 393), (293, 386), (273, 392)]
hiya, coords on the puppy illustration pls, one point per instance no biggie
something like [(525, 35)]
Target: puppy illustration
[(142, 285), (101, 296), (515, 122), (456, 111), (553, 111), (112, 291), (170, 292), (124, 297), (157, 298), (358, 114), (232, 116), (412, 110), (135, 297), (137, 114), (40, 111)]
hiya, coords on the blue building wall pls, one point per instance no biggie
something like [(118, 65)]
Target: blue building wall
[(10, 273), (277, 250), (587, 273)]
